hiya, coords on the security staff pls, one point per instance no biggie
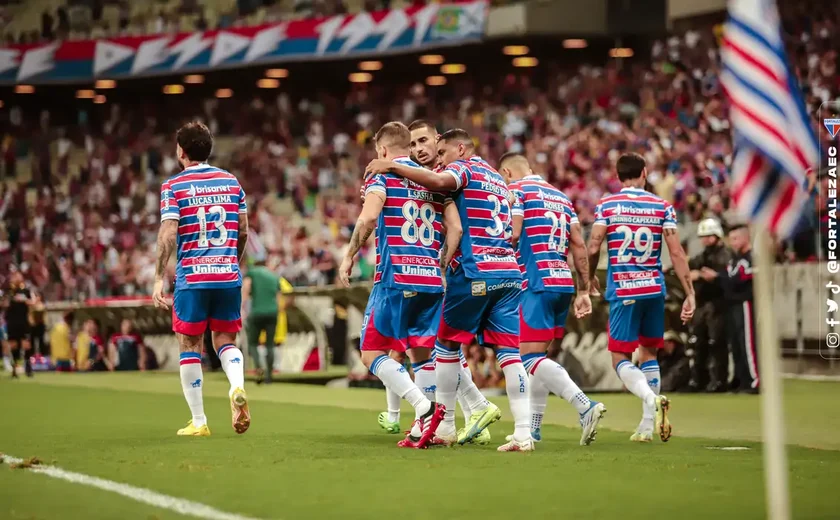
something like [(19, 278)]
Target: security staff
[(707, 330), (18, 301), (736, 282)]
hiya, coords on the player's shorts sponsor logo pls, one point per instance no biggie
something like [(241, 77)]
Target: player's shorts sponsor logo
[(409, 294), (493, 258), (628, 302), (419, 271), (417, 260), (478, 288), (510, 284), (212, 269)]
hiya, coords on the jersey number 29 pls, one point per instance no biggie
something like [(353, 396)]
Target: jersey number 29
[(218, 241), (642, 241)]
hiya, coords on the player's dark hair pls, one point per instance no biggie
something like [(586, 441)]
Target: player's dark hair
[(457, 134), (196, 141), (417, 124), (510, 156), (630, 166), (393, 134)]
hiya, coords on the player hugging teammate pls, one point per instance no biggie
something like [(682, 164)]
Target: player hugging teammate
[(504, 233)]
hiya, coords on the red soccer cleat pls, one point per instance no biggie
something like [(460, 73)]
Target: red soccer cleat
[(430, 422)]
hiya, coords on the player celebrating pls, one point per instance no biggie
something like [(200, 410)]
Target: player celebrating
[(423, 147), (404, 306), (483, 289), (203, 208), (545, 227), (635, 223)]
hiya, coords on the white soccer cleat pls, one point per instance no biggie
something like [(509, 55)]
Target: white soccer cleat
[(589, 422), (642, 436), (514, 445)]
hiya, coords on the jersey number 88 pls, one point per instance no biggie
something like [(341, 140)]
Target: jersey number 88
[(411, 231)]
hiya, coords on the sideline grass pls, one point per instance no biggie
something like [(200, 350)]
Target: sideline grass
[(315, 452)]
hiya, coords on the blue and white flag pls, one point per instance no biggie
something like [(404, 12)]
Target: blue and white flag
[(775, 144)]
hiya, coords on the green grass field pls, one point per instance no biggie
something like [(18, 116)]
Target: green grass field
[(314, 452)]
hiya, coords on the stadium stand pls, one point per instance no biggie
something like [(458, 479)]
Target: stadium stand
[(79, 198)]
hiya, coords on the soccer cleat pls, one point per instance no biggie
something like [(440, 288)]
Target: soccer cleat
[(661, 422), (239, 410), (481, 439), (514, 445), (478, 422), (429, 423), (191, 431), (388, 426), (641, 436), (589, 422), (536, 436)]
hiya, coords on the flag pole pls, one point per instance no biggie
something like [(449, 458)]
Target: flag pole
[(777, 497)]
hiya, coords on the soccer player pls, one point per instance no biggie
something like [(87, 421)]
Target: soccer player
[(404, 306), (545, 228), (483, 288), (423, 148), (203, 211), (635, 222)]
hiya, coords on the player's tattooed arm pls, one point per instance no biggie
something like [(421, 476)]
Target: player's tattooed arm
[(680, 261), (243, 236), (579, 253), (596, 238), (365, 226), (422, 176), (167, 235)]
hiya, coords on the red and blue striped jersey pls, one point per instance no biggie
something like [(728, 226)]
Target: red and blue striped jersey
[(635, 220), (547, 218), (407, 233), (206, 201), (484, 205)]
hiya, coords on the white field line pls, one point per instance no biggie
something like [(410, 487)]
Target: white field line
[(147, 496)]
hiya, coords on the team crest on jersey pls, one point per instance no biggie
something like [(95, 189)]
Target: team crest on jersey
[(479, 288)]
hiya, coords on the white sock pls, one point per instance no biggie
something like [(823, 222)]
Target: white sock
[(393, 400), (635, 382), (424, 378), (231, 358), (539, 398), (7, 363), (463, 378), (447, 372), (516, 384), (396, 379), (555, 378), (191, 381), (476, 402), (651, 371)]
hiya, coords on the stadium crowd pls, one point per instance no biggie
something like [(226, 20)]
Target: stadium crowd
[(85, 225)]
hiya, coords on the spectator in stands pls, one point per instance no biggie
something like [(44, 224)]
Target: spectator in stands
[(61, 344), (126, 349)]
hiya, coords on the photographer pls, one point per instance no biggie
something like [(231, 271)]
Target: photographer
[(706, 331)]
